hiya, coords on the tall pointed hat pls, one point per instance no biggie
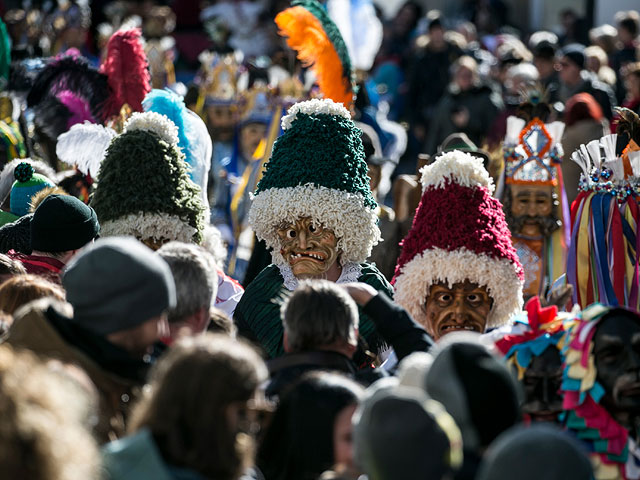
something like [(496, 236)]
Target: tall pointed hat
[(317, 170), (459, 233)]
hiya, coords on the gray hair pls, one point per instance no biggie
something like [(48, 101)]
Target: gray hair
[(195, 285), (319, 313)]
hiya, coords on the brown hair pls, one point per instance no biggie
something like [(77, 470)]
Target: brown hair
[(22, 289), (42, 433), (220, 322), (186, 406)]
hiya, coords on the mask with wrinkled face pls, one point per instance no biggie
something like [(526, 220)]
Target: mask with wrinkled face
[(617, 360), (463, 307), (310, 249)]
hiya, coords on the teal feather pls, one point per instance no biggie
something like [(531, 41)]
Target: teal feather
[(170, 105), (5, 55)]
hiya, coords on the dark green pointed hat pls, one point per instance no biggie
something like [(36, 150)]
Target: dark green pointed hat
[(318, 170), (144, 188)]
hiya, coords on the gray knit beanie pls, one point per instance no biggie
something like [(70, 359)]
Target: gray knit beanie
[(116, 284)]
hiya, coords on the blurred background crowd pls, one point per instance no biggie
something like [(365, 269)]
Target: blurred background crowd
[(425, 71), (431, 77)]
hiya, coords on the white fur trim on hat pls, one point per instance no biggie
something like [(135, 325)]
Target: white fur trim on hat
[(158, 226), (153, 122), (354, 225), (459, 167), (438, 265), (314, 106)]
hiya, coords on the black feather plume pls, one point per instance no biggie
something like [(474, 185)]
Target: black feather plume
[(74, 74)]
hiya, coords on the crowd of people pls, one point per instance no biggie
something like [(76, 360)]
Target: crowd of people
[(310, 241)]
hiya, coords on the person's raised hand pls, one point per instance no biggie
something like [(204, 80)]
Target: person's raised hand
[(360, 292)]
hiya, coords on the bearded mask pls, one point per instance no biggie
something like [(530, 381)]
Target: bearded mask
[(309, 248), (530, 210), (462, 307)]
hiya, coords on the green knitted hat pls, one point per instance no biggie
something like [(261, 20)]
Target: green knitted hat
[(144, 188), (318, 170)]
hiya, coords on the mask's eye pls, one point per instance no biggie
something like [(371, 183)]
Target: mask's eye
[(291, 233), (444, 297), (313, 228), (473, 297)]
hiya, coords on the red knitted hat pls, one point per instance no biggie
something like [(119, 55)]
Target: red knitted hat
[(459, 233)]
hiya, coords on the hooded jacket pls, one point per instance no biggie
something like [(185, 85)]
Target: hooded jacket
[(117, 376)]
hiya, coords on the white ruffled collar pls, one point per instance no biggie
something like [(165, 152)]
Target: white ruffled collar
[(350, 273)]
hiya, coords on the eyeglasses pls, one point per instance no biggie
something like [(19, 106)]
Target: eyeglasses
[(254, 415)]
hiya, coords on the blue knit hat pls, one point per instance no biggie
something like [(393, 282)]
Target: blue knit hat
[(27, 184)]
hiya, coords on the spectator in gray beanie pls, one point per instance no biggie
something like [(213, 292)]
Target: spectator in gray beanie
[(120, 292), (535, 452), (475, 387), (400, 434)]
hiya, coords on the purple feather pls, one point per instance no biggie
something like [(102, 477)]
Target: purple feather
[(78, 106)]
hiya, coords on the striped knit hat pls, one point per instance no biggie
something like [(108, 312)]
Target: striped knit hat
[(318, 170), (459, 233)]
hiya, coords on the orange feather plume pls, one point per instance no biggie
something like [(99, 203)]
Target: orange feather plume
[(307, 36)]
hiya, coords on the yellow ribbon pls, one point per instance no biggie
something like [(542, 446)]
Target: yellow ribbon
[(582, 254)]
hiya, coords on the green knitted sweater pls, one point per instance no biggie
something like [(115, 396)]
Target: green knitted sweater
[(257, 315)]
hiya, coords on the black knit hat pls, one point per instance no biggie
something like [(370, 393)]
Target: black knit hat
[(62, 223), (477, 389), (17, 235)]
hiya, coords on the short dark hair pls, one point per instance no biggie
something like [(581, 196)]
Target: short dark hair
[(319, 313)]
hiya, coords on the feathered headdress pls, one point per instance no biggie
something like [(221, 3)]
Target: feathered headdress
[(193, 138), (126, 68), (66, 92), (533, 154), (84, 147), (319, 44), (603, 257), (530, 334)]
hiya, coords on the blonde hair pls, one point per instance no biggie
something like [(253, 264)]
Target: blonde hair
[(22, 289), (42, 436), (39, 197)]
